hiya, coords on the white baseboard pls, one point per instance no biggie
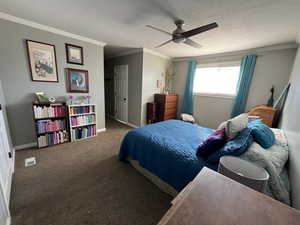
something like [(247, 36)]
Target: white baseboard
[(34, 144), (120, 121), (126, 123), (131, 125), (28, 145), (101, 130), (8, 221)]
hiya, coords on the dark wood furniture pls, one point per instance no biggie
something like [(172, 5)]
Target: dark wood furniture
[(151, 112), (266, 113), (166, 106), (213, 199), (45, 114)]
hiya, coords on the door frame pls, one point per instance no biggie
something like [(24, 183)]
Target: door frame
[(116, 69)]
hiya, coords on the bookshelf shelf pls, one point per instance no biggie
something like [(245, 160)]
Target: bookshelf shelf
[(83, 125), (82, 120), (49, 132), (50, 118), (51, 123), (82, 114)]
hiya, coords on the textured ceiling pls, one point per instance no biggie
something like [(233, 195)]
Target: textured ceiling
[(121, 24)]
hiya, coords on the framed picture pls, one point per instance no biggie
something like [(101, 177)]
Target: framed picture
[(42, 61), (77, 80), (74, 54)]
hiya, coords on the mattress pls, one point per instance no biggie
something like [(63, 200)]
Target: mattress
[(154, 179)]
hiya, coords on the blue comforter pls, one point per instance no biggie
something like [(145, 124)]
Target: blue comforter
[(168, 150)]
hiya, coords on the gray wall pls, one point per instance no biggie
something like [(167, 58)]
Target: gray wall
[(135, 70), (16, 79), (272, 68), (291, 125), (154, 68)]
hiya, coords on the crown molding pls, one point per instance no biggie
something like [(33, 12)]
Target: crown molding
[(130, 52), (39, 26), (146, 50), (156, 53), (240, 53)]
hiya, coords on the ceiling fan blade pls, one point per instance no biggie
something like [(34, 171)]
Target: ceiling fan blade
[(158, 29), (164, 43), (199, 30), (192, 43)]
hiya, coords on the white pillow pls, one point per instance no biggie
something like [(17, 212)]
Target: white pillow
[(280, 137), (187, 118), (252, 118), (235, 125)]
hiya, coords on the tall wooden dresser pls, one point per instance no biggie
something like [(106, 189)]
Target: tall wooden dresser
[(166, 106)]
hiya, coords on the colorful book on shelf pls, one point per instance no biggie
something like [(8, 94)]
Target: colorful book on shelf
[(53, 138), (49, 111), (44, 126), (83, 132), (81, 109), (83, 120)]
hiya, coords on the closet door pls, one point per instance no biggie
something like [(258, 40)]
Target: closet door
[(5, 172), (5, 159)]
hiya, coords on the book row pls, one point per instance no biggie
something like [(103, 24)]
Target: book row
[(44, 126), (82, 109), (49, 111), (83, 132), (83, 120), (53, 138)]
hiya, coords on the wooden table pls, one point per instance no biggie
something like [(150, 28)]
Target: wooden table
[(213, 199)]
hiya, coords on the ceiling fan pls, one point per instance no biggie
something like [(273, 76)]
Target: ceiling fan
[(181, 36)]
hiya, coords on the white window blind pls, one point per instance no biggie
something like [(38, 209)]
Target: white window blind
[(217, 80)]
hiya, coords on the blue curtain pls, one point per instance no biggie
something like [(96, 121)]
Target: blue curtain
[(187, 104), (244, 82)]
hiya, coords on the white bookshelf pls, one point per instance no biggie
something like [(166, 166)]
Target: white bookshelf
[(82, 120)]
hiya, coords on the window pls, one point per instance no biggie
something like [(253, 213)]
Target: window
[(217, 79)]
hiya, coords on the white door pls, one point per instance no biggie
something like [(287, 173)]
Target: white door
[(121, 93), (5, 170), (5, 158)]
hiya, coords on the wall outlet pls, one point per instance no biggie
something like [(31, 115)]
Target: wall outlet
[(30, 162)]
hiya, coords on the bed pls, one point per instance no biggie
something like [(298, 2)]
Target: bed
[(165, 153), (168, 150)]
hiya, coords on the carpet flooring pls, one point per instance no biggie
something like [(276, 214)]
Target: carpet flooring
[(83, 183)]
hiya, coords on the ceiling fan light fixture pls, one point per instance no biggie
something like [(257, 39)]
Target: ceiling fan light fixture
[(181, 36)]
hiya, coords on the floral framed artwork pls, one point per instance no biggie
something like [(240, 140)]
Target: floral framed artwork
[(77, 80), (74, 54), (42, 61)]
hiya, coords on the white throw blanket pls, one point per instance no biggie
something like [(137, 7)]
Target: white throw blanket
[(273, 160)]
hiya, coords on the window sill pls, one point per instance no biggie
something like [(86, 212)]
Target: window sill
[(214, 95)]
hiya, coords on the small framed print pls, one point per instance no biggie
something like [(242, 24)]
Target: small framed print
[(74, 54), (42, 61), (77, 80)]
